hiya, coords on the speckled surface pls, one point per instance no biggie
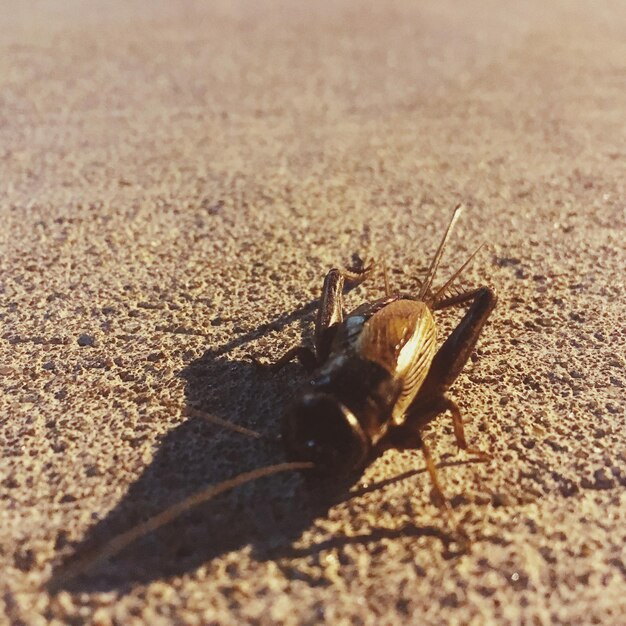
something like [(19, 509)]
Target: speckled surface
[(175, 179)]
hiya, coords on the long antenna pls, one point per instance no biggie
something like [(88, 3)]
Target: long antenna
[(435, 262), (442, 290), (122, 540), (214, 419)]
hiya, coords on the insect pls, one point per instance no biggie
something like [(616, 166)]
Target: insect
[(376, 379)]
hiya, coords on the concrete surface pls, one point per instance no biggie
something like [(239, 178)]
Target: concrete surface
[(176, 180)]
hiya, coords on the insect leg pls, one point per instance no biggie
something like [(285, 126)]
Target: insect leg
[(457, 348), (305, 355), (457, 299), (459, 431), (406, 437), (448, 363), (329, 316), (440, 499), (330, 313)]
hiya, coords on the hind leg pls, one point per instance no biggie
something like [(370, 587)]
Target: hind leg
[(448, 364), (457, 348)]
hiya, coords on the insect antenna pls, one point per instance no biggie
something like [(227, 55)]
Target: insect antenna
[(383, 263), (213, 419), (166, 516), (434, 264), (441, 292)]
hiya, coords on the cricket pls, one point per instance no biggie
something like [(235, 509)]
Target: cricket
[(376, 375), (376, 378)]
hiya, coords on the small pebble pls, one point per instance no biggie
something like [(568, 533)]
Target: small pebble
[(85, 340)]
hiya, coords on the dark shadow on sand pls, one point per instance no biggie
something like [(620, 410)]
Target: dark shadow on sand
[(194, 455), (269, 514)]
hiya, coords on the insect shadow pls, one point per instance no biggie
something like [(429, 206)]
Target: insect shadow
[(198, 453), (270, 515), (195, 454)]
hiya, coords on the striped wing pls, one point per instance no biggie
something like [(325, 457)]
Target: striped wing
[(401, 337)]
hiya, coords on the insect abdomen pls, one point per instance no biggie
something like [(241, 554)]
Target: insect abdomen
[(401, 338)]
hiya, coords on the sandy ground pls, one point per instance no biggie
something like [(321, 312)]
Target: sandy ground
[(176, 181)]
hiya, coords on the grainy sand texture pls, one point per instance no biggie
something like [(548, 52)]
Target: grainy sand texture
[(175, 180)]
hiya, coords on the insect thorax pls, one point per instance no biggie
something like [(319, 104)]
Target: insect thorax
[(368, 390)]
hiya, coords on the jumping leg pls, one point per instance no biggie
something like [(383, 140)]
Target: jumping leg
[(448, 364), (460, 298), (457, 348)]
